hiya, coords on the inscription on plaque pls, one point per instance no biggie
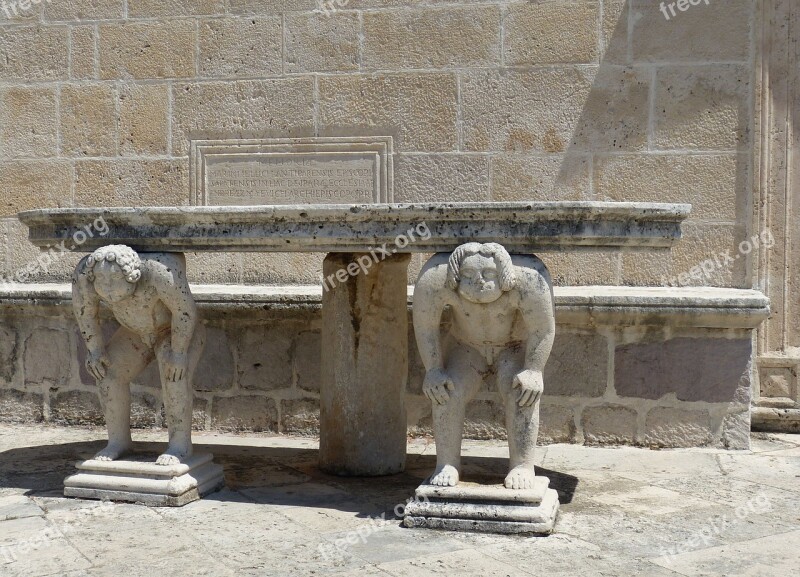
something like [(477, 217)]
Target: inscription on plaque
[(292, 171), (291, 178)]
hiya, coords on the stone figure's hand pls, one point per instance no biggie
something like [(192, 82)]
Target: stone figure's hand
[(436, 386), (97, 364), (176, 366), (530, 386)]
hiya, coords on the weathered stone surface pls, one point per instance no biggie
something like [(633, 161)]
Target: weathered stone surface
[(240, 47), (47, 357), (441, 178), (171, 8), (706, 31), (308, 359), (615, 114), (457, 37), (710, 246), (520, 111), (551, 33), (143, 121), (609, 424), (20, 407), (418, 110), (76, 408), (215, 371), (694, 369), (8, 353), (485, 420), (244, 413), (147, 49), (556, 423), (264, 358), (319, 43), (671, 427), (402, 228), (131, 183), (84, 9), (364, 366), (577, 366), (271, 6), (684, 120), (300, 417), (715, 185), (146, 411), (88, 120), (614, 32), (28, 126), (82, 41), (239, 109), (522, 177), (736, 430), (570, 268), (34, 53), (36, 184)]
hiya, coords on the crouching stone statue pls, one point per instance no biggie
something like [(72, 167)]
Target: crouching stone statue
[(149, 296), (502, 328)]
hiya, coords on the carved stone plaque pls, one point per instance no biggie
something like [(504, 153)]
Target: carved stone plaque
[(324, 170)]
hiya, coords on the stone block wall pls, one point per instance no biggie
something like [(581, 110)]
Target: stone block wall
[(491, 100), (627, 383)]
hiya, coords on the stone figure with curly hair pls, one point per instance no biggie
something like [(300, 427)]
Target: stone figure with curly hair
[(149, 296), (502, 327)]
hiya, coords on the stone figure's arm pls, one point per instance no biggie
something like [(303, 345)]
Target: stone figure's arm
[(168, 273), (431, 296), (86, 306), (538, 312), (430, 299)]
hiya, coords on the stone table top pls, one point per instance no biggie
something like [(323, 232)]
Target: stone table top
[(522, 227)]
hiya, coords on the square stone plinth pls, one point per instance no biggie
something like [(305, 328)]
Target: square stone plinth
[(139, 480), (484, 508)]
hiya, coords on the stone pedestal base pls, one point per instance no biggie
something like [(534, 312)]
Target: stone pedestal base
[(140, 480), (484, 508)]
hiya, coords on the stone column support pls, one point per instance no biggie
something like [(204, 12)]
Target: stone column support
[(364, 364)]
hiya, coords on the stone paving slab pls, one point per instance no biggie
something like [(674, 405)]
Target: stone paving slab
[(624, 511)]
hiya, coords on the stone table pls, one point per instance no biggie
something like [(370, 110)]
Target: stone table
[(364, 308)]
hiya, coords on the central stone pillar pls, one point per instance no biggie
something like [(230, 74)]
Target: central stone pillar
[(364, 364)]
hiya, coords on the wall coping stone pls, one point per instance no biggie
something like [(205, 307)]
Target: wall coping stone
[(702, 307)]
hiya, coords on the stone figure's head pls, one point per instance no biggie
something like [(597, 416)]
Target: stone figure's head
[(114, 269), (481, 273)]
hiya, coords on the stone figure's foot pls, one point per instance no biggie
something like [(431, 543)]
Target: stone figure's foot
[(174, 455), (113, 451), (446, 476), (520, 477)]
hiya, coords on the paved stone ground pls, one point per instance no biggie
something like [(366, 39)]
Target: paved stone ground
[(625, 511)]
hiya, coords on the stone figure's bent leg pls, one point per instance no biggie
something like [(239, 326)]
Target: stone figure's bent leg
[(464, 365), (522, 423), (128, 356), (179, 399)]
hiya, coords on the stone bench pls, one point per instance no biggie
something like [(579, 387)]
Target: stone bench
[(605, 322)]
